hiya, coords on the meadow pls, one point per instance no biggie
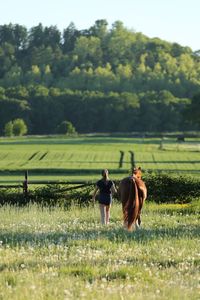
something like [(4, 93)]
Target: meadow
[(48, 254), (65, 253), (82, 158)]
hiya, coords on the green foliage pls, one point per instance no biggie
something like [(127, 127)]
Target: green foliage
[(49, 196), (66, 127), (12, 109), (44, 75), (19, 127), (192, 110), (161, 189), (170, 188), (12, 196), (91, 111), (8, 130), (16, 127)]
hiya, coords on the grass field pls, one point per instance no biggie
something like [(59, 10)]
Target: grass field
[(47, 254), (59, 158), (66, 254)]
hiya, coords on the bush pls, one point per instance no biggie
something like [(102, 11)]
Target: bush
[(49, 195), (172, 189), (162, 188), (19, 127), (8, 129), (66, 127)]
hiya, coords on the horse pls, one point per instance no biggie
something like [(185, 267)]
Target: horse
[(132, 193)]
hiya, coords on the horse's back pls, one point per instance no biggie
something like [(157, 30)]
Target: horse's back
[(124, 189)]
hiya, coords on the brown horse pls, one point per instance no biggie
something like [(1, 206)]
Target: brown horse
[(132, 192)]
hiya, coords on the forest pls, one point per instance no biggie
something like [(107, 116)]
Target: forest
[(100, 79)]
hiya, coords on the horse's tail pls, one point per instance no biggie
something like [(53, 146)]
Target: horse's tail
[(132, 205)]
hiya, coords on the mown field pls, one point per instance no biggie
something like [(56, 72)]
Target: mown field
[(58, 254), (61, 158)]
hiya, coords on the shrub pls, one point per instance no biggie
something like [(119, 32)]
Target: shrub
[(8, 129), (19, 127), (66, 127), (172, 188), (162, 188)]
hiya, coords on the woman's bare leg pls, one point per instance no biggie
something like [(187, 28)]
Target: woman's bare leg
[(102, 212), (108, 214)]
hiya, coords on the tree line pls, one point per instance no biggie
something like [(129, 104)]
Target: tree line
[(100, 79), (44, 110)]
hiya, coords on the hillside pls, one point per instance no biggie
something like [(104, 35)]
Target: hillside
[(100, 79)]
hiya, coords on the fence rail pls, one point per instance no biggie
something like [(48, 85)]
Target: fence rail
[(25, 184)]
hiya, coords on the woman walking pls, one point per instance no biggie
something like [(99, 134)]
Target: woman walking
[(106, 188)]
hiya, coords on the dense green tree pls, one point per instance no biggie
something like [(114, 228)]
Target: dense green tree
[(70, 35), (192, 111), (11, 109), (33, 76), (36, 36), (8, 129), (14, 75), (99, 29), (7, 58), (88, 50), (15, 35), (66, 127), (119, 44), (52, 37), (99, 79), (41, 55), (19, 127), (2, 93), (17, 92)]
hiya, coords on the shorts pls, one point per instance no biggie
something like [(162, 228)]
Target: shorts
[(105, 199)]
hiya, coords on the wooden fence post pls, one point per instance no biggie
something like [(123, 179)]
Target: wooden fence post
[(25, 184), (121, 158), (132, 159)]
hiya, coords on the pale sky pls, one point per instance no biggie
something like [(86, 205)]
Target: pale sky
[(171, 20)]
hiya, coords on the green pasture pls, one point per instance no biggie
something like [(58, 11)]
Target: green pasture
[(82, 158), (57, 254)]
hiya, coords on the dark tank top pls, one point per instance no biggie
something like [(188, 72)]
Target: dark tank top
[(105, 196)]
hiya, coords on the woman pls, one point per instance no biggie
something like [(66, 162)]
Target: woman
[(106, 187)]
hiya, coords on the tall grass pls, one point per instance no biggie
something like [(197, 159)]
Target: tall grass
[(57, 254)]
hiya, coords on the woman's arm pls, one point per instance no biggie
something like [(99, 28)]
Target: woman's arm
[(113, 189), (95, 192)]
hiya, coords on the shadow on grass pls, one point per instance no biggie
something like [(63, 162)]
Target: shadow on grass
[(116, 235)]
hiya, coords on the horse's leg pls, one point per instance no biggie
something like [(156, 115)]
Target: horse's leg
[(141, 201), (137, 223), (125, 223), (124, 209)]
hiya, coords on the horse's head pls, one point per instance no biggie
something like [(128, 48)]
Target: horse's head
[(137, 172)]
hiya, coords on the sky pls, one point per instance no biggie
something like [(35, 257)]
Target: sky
[(171, 20)]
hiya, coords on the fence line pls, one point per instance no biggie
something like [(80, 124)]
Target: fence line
[(81, 183), (25, 184)]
